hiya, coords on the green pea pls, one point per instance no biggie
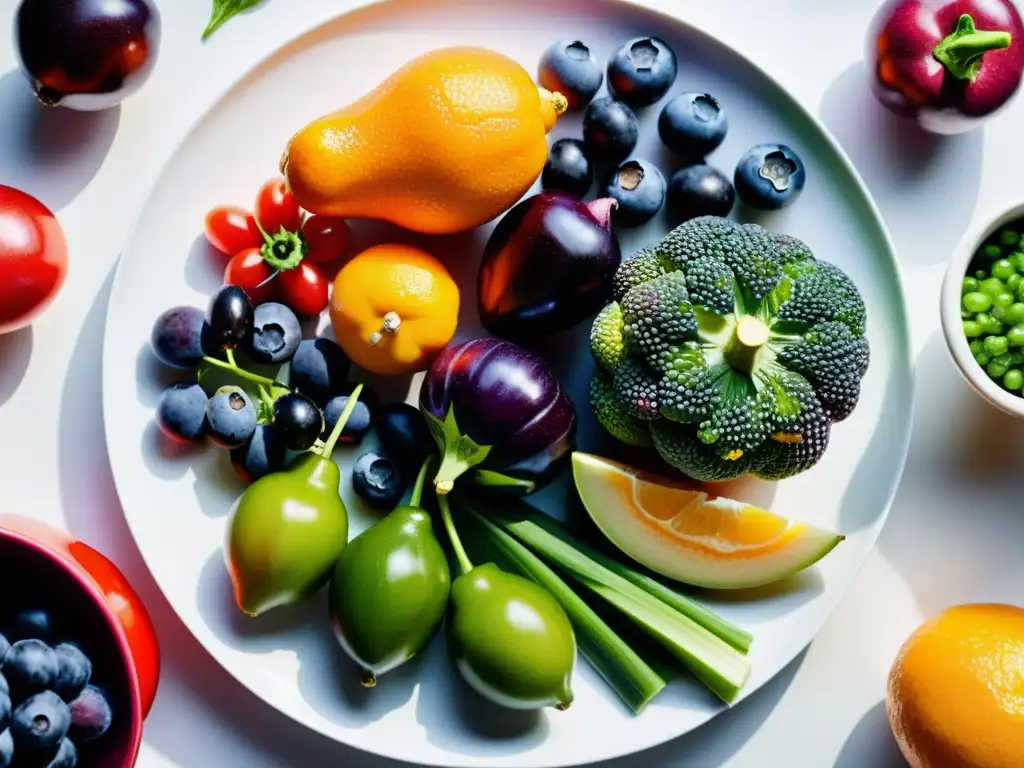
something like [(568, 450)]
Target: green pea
[(993, 251), (1013, 281), (996, 370), (992, 286), (981, 274), (1002, 269), (988, 323), (996, 345), (1009, 237), (970, 284), (1013, 379), (1015, 336), (976, 301), (982, 359), (977, 347), (1017, 358), (1017, 259), (1014, 313), (1003, 299), (1004, 359), (999, 314), (972, 329)]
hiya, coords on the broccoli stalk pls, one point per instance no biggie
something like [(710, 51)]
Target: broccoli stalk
[(748, 337)]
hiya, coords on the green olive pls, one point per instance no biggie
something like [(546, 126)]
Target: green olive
[(389, 592), (511, 640)]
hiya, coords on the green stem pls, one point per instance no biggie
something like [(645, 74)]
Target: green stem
[(421, 480), (962, 50), (253, 377), (465, 564), (230, 355), (265, 396), (749, 335), (350, 406)]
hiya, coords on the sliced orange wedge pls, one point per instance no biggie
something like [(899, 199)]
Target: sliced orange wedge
[(687, 534)]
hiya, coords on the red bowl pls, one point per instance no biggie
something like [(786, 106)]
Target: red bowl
[(96, 598)]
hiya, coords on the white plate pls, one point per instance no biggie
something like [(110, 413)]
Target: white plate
[(176, 505)]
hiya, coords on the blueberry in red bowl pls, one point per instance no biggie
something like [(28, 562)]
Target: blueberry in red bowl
[(39, 724), (568, 168), (770, 177), (693, 125), (569, 68), (639, 189), (641, 71), (699, 190), (610, 129)]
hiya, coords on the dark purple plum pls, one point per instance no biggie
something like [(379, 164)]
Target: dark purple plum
[(378, 480), (568, 168), (230, 417), (610, 129), (264, 453), (86, 54), (181, 412), (359, 423), (40, 723), (31, 666), (568, 67), (74, 669), (180, 338), (699, 190), (693, 125), (641, 71), (547, 266), (91, 715), (498, 409), (638, 188), (320, 370), (298, 420)]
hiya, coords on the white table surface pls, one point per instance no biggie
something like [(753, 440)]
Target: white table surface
[(955, 529)]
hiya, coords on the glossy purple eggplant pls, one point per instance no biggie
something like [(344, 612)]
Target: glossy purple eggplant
[(498, 410), (948, 64), (547, 266), (86, 54)]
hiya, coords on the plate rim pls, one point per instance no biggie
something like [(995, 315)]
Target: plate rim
[(668, 14)]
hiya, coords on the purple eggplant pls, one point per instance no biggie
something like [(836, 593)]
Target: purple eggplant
[(948, 64), (548, 265), (86, 54), (497, 409)]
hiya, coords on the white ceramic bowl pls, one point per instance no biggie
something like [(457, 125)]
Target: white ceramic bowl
[(952, 324)]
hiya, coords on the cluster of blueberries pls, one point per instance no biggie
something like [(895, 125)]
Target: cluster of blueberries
[(49, 706), (691, 125)]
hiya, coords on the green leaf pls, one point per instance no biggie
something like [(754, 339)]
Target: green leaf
[(491, 479), (224, 11), (459, 452)]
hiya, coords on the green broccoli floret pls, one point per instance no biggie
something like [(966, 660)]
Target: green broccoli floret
[(617, 422), (737, 349), (606, 337), (642, 266)]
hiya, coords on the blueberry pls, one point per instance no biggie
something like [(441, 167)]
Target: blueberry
[(360, 421), (403, 434), (5, 688), (5, 711), (693, 125), (5, 646), (319, 370), (769, 177), (73, 671), (699, 190), (639, 189), (569, 68), (181, 412), (378, 480), (30, 624), (610, 129), (298, 420), (276, 334), (641, 71), (264, 453), (40, 723), (230, 317), (6, 749), (180, 338), (91, 715), (231, 417), (31, 666), (568, 168), (66, 757)]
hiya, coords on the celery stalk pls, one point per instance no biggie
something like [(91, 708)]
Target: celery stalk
[(714, 662), (735, 636), (635, 682)]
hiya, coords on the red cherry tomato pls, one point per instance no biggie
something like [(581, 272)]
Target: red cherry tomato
[(303, 288), (327, 238), (251, 273), (230, 230), (276, 207), (33, 258)]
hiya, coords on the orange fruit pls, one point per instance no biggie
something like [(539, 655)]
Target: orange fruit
[(447, 143), (690, 535), (393, 308), (956, 690)]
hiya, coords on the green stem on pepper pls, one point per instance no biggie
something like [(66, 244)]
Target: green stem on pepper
[(961, 51), (328, 448), (421, 480), (465, 564)]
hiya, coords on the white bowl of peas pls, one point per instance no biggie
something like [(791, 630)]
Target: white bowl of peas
[(983, 310)]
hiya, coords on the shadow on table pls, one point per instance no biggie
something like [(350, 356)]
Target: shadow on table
[(15, 351), (50, 153), (912, 174), (870, 743)]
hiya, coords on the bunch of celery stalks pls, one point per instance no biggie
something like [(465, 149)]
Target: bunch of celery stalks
[(635, 631)]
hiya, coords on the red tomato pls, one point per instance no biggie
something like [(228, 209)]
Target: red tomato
[(251, 273), (303, 288), (276, 207), (33, 258), (230, 230), (327, 238)]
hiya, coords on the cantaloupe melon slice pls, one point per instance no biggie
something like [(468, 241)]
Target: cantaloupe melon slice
[(690, 535)]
